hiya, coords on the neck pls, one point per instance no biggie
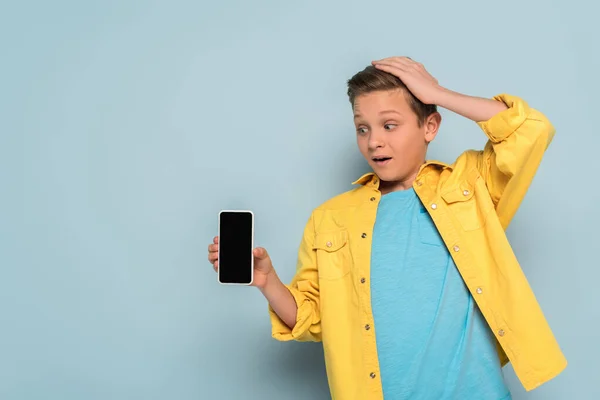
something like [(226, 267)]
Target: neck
[(402, 184)]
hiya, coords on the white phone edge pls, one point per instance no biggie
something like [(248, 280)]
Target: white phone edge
[(251, 249)]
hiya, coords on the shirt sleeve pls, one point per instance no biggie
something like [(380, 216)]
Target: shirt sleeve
[(304, 287), (518, 138)]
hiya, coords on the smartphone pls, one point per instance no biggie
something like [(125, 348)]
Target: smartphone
[(236, 244)]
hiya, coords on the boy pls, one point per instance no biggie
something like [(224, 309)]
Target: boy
[(409, 280)]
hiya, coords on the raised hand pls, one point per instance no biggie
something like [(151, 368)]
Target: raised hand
[(414, 75)]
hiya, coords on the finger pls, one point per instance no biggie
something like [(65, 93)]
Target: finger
[(399, 63), (395, 64), (212, 257), (401, 69), (406, 61), (260, 253), (213, 248), (402, 60), (216, 240), (399, 72), (392, 68), (391, 58), (216, 266), (412, 63)]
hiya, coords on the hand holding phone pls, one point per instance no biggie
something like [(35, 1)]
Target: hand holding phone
[(232, 254), (237, 263)]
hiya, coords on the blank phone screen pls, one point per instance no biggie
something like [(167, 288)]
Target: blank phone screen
[(235, 247)]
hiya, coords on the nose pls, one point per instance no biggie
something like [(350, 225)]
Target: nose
[(375, 140)]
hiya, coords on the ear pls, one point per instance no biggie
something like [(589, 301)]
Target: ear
[(432, 125)]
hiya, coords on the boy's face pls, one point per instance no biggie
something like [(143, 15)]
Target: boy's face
[(390, 138)]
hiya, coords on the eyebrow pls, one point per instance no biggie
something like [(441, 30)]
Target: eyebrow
[(356, 116)]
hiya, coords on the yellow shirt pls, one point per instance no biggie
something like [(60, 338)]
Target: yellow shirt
[(471, 202)]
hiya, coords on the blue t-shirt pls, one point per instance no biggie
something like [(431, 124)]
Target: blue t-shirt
[(432, 341)]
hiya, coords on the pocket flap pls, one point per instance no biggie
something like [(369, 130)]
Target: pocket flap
[(330, 241), (462, 190)]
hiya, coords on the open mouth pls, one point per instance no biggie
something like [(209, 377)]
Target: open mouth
[(381, 160)]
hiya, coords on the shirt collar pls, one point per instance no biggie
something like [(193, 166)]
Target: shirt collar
[(371, 179)]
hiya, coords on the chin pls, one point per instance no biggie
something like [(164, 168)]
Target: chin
[(386, 176), (389, 174)]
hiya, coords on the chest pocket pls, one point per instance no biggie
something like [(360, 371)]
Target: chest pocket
[(469, 201), (333, 254)]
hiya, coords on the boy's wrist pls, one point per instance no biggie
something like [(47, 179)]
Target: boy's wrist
[(271, 280), (444, 97)]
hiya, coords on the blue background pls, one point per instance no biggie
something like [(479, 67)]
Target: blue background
[(126, 126)]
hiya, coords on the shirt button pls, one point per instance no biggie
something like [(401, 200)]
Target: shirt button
[(434, 206), (328, 244), (501, 332), (479, 290), (367, 327), (364, 235), (373, 199), (362, 280), (372, 375), (419, 183), (375, 181), (456, 248), (466, 192)]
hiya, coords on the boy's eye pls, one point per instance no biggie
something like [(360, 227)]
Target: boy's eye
[(362, 130), (389, 126)]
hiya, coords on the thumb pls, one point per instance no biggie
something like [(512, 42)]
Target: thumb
[(261, 253)]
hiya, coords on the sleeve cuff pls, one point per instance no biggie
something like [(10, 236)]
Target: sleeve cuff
[(280, 330), (503, 124)]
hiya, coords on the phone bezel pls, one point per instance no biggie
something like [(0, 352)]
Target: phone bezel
[(251, 249)]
